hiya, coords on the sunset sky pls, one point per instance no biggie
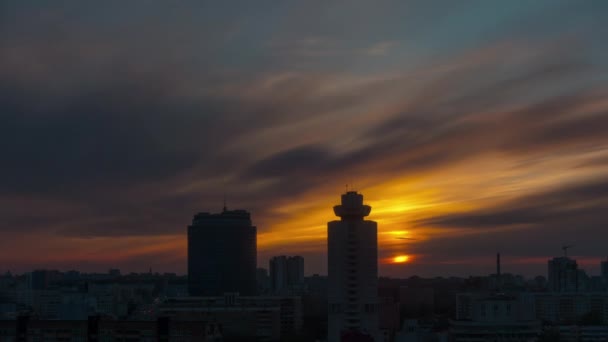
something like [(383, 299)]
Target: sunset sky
[(471, 127)]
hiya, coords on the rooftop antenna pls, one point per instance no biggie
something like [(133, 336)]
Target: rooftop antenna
[(225, 208), (565, 248)]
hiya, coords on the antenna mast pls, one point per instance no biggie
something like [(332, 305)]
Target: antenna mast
[(565, 248)]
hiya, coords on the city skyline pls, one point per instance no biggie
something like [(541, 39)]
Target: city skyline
[(471, 129)]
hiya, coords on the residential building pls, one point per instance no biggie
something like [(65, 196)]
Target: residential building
[(222, 254), (352, 270)]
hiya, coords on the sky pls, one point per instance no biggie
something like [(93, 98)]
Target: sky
[(471, 128)]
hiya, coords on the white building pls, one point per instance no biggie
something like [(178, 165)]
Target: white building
[(352, 270)]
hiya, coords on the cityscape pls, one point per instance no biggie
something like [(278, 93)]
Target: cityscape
[(304, 170), (226, 297)]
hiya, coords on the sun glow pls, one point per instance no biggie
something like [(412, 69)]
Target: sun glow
[(401, 259)]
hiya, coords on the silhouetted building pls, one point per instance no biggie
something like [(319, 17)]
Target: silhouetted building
[(352, 270), (97, 328), (604, 267), (286, 274), (495, 317), (295, 270), (563, 275), (265, 318), (589, 308), (39, 280), (222, 254), (263, 280), (417, 302)]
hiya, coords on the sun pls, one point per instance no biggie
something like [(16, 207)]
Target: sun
[(401, 259)]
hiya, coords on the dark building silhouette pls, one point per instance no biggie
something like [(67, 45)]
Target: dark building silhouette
[(286, 274), (352, 255), (563, 275), (222, 254)]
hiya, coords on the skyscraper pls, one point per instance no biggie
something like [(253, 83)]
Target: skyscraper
[(295, 271), (604, 269), (222, 252), (352, 270)]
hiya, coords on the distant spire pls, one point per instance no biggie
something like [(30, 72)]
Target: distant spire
[(225, 208)]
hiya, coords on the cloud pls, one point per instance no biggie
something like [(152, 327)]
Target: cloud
[(380, 49), (579, 204), (124, 128), (533, 225)]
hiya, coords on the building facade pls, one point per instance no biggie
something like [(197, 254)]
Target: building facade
[(222, 254), (352, 270), (286, 274), (494, 317), (563, 275)]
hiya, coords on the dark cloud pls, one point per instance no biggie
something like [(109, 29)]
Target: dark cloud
[(576, 205), (300, 160)]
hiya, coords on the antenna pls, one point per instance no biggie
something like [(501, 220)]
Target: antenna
[(565, 249)]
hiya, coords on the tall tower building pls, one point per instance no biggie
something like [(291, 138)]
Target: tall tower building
[(352, 270), (604, 269), (222, 252)]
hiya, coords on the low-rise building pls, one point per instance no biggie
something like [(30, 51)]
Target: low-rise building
[(495, 317)]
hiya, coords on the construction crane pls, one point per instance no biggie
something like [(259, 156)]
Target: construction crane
[(565, 248)]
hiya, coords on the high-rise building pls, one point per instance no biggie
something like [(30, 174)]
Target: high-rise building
[(352, 270), (222, 252), (604, 266), (295, 270), (563, 275), (278, 273), (286, 274)]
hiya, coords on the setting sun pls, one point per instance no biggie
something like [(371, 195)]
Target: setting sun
[(401, 259)]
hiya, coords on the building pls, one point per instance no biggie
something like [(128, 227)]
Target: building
[(267, 318), (263, 281), (494, 317), (563, 275), (563, 308), (97, 328), (417, 302), (222, 253), (352, 270), (286, 274), (413, 331), (604, 267), (295, 271), (575, 333)]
